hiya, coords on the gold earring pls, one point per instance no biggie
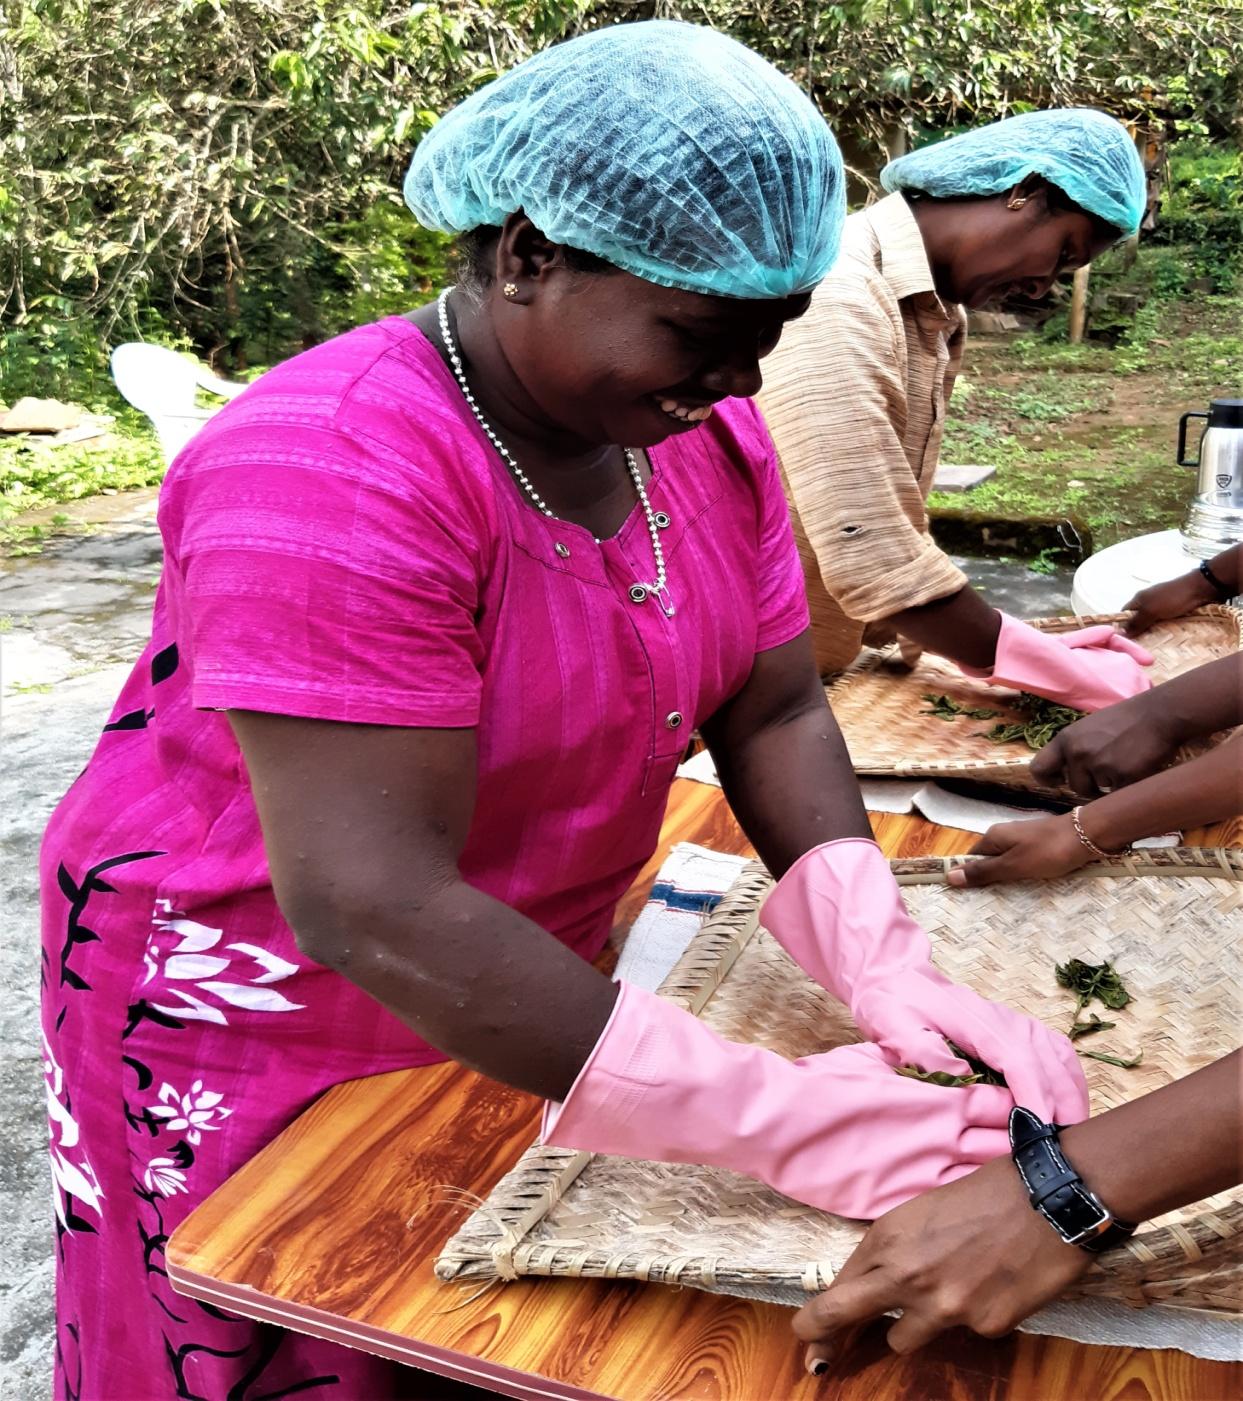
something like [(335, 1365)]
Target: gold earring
[(510, 289), (1017, 203)]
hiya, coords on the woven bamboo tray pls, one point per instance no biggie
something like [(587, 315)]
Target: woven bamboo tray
[(879, 702), (1168, 920)]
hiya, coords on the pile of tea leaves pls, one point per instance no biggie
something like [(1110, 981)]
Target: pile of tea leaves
[(1042, 719)]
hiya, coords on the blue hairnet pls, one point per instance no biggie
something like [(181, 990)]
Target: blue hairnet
[(670, 150), (1086, 154)]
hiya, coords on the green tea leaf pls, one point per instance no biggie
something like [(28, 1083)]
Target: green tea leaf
[(1093, 1024), (946, 708), (1093, 980), (936, 1077), (1115, 1060), (980, 1070), (1045, 718)]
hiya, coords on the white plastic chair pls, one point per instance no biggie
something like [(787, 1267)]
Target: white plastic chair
[(162, 384)]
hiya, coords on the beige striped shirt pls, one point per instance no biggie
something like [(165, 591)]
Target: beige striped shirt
[(855, 397)]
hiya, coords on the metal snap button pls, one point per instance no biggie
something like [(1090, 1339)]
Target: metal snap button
[(638, 592), (562, 550), (673, 720), (662, 520)]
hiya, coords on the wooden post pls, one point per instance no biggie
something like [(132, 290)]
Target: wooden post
[(1079, 304), (895, 139)]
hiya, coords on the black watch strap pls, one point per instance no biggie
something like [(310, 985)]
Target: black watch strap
[(1223, 590), (1057, 1191)]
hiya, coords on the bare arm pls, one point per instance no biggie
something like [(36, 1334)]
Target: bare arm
[(364, 824), (363, 827), (1176, 597), (1136, 737), (961, 626), (782, 761), (1203, 790)]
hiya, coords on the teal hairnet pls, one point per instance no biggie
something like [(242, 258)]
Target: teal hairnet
[(1089, 156), (668, 149)]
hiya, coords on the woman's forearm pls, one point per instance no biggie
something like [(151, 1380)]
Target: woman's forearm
[(1119, 1154), (471, 976), (1228, 567), (1203, 790), (791, 785), (1199, 702), (782, 761), (962, 627)]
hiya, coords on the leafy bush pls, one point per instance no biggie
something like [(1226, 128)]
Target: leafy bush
[(1202, 215), (34, 474)]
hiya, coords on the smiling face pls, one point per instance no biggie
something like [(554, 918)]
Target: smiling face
[(983, 250), (606, 357)]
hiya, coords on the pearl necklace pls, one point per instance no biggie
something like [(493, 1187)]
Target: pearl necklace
[(655, 523)]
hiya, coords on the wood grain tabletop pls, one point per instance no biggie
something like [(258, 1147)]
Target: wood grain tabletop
[(334, 1227)]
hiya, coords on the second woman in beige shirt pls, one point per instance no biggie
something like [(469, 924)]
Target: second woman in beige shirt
[(856, 392)]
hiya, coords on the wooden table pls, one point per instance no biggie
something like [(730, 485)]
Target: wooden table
[(333, 1230)]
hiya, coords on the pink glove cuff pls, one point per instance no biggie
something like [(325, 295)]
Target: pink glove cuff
[(606, 1087), (839, 914)]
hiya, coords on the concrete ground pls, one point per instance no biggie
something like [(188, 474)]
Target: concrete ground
[(72, 620)]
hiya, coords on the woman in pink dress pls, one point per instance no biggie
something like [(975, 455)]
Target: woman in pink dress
[(443, 600)]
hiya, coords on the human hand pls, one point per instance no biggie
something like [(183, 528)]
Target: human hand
[(912, 1014), (839, 914), (1173, 598), (971, 1254), (886, 1137), (1035, 849), (1088, 668), (1108, 750), (840, 1130)]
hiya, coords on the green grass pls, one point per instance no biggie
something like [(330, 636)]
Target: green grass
[(1089, 431)]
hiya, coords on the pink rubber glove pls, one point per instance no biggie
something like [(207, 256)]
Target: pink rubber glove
[(839, 1131), (839, 914), (1087, 669)]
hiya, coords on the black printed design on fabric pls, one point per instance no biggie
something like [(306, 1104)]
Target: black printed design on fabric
[(131, 720), (266, 1346), (262, 1342), (78, 894), (164, 663)]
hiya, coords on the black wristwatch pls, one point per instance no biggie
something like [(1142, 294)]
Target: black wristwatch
[(1057, 1191)]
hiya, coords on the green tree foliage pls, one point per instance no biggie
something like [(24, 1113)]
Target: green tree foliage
[(212, 165), (228, 170)]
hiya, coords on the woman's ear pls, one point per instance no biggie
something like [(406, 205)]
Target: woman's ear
[(1030, 190), (524, 257)]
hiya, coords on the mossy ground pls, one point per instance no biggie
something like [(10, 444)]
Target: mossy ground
[(1090, 430)]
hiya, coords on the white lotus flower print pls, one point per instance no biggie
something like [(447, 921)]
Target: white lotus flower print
[(191, 1113), (186, 960), (164, 1176), (72, 1174)]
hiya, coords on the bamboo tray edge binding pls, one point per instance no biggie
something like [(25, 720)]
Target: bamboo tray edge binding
[(940, 743), (1194, 1262)]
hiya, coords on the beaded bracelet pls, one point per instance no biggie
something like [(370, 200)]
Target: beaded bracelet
[(1087, 841)]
